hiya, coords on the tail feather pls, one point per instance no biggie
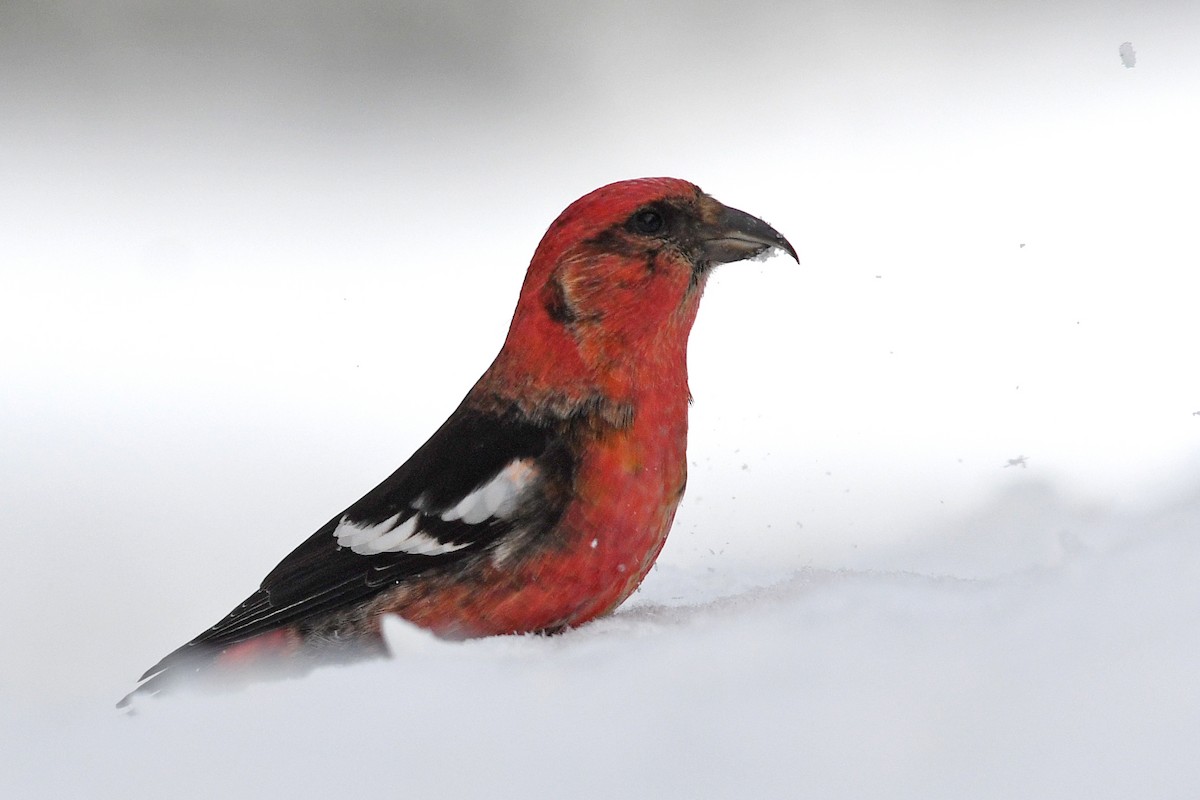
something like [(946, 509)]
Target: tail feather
[(204, 663)]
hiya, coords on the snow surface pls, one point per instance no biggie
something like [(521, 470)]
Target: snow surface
[(942, 530), (1072, 680)]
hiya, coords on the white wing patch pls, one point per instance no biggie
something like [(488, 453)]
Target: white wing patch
[(390, 536), (497, 498)]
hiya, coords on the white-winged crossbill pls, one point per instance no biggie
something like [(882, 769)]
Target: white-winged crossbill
[(544, 499)]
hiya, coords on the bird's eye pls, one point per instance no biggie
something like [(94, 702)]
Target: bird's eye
[(649, 222)]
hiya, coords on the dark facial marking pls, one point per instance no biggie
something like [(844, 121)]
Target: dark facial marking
[(652, 260), (670, 223), (657, 220), (647, 222), (558, 306)]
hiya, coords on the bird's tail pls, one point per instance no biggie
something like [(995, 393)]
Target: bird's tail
[(206, 664)]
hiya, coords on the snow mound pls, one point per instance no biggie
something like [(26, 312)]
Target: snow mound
[(1071, 680)]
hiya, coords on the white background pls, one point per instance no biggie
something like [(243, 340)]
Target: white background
[(940, 532)]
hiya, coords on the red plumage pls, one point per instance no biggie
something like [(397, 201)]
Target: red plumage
[(544, 499)]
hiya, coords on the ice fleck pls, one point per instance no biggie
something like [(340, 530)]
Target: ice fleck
[(1128, 57)]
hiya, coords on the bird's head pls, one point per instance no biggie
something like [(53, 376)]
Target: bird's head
[(617, 278)]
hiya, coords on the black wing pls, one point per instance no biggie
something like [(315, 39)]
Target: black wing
[(479, 477)]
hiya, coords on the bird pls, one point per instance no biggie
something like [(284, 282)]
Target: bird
[(544, 499)]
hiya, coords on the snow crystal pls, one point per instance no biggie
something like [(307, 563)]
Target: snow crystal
[(1128, 57)]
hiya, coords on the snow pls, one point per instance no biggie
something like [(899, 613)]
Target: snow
[(1071, 680), (1128, 55), (940, 534)]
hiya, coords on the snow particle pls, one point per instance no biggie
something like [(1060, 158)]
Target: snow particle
[(1128, 57)]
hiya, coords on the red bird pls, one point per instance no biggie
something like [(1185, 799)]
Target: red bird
[(544, 499)]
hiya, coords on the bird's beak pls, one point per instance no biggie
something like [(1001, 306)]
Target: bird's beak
[(732, 235)]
